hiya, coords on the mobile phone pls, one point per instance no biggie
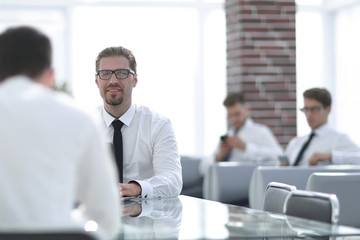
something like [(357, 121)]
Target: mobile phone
[(223, 138), (284, 159)]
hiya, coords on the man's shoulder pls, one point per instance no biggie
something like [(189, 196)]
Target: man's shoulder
[(69, 104), (144, 111), (336, 135), (257, 126), (327, 132)]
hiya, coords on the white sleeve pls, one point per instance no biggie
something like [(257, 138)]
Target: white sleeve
[(97, 190), (167, 181), (345, 151)]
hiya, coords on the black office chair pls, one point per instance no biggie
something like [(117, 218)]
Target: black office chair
[(275, 196), (46, 236), (32, 232), (313, 206)]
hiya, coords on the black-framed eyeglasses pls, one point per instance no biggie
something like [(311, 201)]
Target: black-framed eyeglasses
[(119, 73), (311, 109)]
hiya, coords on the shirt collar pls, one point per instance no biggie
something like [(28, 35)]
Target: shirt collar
[(125, 118), (247, 123), (322, 129), (20, 80)]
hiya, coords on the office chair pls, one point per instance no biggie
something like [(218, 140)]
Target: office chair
[(346, 186), (312, 205), (71, 235), (192, 179), (36, 232), (275, 196)]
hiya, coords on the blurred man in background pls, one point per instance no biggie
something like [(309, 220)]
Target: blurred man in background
[(323, 145), (246, 141)]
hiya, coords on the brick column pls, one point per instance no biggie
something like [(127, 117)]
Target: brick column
[(261, 61)]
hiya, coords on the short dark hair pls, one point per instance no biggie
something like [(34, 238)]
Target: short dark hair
[(24, 50), (116, 52), (319, 94), (234, 98)]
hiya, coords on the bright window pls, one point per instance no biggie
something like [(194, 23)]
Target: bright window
[(327, 50), (179, 46)]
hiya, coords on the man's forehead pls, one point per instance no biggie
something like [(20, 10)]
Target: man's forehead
[(312, 102), (114, 60)]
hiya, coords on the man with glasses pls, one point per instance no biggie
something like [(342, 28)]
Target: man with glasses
[(149, 162), (323, 145)]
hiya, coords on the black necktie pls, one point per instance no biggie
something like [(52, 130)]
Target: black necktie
[(303, 148), (118, 146)]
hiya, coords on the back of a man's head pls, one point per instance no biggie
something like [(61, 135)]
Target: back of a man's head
[(234, 98), (24, 51), (319, 94)]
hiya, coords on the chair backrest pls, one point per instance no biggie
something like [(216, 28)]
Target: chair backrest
[(275, 196), (346, 186), (190, 170), (192, 179), (232, 182), (46, 236), (312, 205), (292, 175)]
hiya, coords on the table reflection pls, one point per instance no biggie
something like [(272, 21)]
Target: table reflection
[(192, 218), (157, 218), (257, 224)]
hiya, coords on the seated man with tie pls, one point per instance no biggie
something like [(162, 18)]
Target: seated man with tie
[(323, 145), (246, 140), (144, 142)]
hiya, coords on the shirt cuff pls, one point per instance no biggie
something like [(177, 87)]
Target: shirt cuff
[(146, 189), (146, 208), (336, 157)]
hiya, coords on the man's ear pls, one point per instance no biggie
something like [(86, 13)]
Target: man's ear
[(96, 80), (247, 107), (47, 78), (328, 109), (135, 80)]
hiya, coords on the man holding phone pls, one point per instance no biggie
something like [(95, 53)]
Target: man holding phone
[(246, 141)]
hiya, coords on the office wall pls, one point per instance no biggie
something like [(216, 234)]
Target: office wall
[(261, 60)]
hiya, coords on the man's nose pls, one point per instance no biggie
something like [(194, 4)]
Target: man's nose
[(113, 78), (308, 113)]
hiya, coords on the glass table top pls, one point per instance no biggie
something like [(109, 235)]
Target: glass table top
[(186, 217)]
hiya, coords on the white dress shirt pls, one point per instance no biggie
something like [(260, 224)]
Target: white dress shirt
[(261, 144), (52, 156), (326, 140), (150, 154)]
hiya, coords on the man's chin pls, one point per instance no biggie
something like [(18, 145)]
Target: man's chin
[(314, 126), (114, 102)]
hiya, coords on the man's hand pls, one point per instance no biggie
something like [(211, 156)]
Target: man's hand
[(131, 189), (235, 142), (316, 157), (283, 164), (227, 145), (133, 210), (223, 151)]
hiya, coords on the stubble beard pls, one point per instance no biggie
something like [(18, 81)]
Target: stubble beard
[(114, 102)]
